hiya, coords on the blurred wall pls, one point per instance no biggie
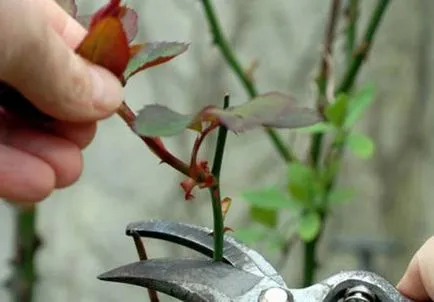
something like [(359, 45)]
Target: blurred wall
[(83, 226)]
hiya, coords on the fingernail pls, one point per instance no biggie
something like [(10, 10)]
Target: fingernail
[(107, 89)]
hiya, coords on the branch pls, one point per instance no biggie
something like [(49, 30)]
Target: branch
[(220, 147), (352, 13), (215, 190), (248, 85), (323, 77), (345, 87), (324, 74), (350, 75), (23, 280), (322, 83), (310, 261), (310, 264), (335, 153), (364, 47), (286, 249), (353, 68), (156, 145)]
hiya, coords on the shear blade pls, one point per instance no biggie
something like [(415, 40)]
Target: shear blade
[(200, 239), (186, 279)]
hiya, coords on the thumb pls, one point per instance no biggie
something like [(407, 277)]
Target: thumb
[(418, 280), (36, 61)]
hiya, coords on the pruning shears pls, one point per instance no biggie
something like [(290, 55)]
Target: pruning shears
[(243, 275)]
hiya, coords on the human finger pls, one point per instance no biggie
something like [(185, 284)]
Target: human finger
[(23, 177), (63, 156), (48, 72), (418, 280), (80, 134)]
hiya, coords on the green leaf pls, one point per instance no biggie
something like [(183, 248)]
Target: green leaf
[(340, 137), (358, 105), (321, 127), (151, 54), (303, 184), (361, 145), (336, 111), (300, 173), (266, 217), (300, 191), (272, 109), (269, 110), (330, 170), (250, 235), (157, 120), (270, 198), (309, 226), (339, 196)]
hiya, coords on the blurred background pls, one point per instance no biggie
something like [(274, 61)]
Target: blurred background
[(83, 226)]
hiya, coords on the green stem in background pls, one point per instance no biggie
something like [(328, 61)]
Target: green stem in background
[(248, 85), (352, 13), (364, 48), (225, 49), (23, 281), (350, 76), (323, 76), (336, 151), (310, 248), (310, 264), (325, 67), (339, 143), (353, 68), (215, 190)]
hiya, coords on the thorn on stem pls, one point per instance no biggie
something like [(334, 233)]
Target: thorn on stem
[(362, 51), (225, 229), (250, 71)]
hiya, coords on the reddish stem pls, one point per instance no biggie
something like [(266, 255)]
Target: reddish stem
[(198, 143), (154, 143)]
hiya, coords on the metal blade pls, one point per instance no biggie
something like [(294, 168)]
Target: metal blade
[(188, 279), (200, 240)]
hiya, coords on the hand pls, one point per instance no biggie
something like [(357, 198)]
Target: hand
[(37, 41), (418, 281)]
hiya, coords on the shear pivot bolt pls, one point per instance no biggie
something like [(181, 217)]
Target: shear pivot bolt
[(275, 294), (359, 293)]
